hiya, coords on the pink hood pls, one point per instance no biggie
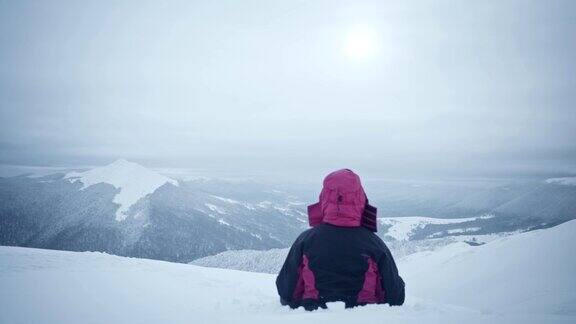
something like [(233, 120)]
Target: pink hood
[(343, 202)]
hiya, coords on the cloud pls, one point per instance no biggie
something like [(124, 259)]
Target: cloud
[(467, 88)]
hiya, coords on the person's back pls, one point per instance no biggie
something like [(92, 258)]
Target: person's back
[(340, 258)]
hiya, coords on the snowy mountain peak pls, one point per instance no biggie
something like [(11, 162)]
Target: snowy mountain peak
[(133, 180), (124, 163)]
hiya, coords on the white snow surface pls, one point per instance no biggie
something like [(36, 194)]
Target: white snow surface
[(567, 181), (526, 278), (402, 227), (133, 180), (527, 273)]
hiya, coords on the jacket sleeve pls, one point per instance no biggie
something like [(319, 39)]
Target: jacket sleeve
[(392, 283), (288, 276)]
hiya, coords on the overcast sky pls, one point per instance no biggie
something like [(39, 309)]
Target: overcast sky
[(392, 88)]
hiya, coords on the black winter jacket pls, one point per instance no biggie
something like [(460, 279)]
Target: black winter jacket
[(333, 263)]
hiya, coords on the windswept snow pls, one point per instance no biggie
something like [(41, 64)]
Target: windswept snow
[(567, 181), (402, 227), (133, 180)]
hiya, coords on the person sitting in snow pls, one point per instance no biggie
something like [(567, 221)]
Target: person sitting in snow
[(340, 258)]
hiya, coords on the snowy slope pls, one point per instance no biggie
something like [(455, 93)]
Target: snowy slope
[(527, 278), (532, 272), (42, 286), (133, 180)]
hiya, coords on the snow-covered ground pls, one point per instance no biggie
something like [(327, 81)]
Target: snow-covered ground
[(525, 278), (532, 272)]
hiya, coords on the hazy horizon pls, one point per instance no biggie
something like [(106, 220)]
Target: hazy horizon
[(389, 89)]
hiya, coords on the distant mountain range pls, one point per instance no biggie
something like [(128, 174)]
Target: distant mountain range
[(126, 209)]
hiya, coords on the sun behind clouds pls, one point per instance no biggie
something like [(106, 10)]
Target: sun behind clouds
[(362, 43)]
